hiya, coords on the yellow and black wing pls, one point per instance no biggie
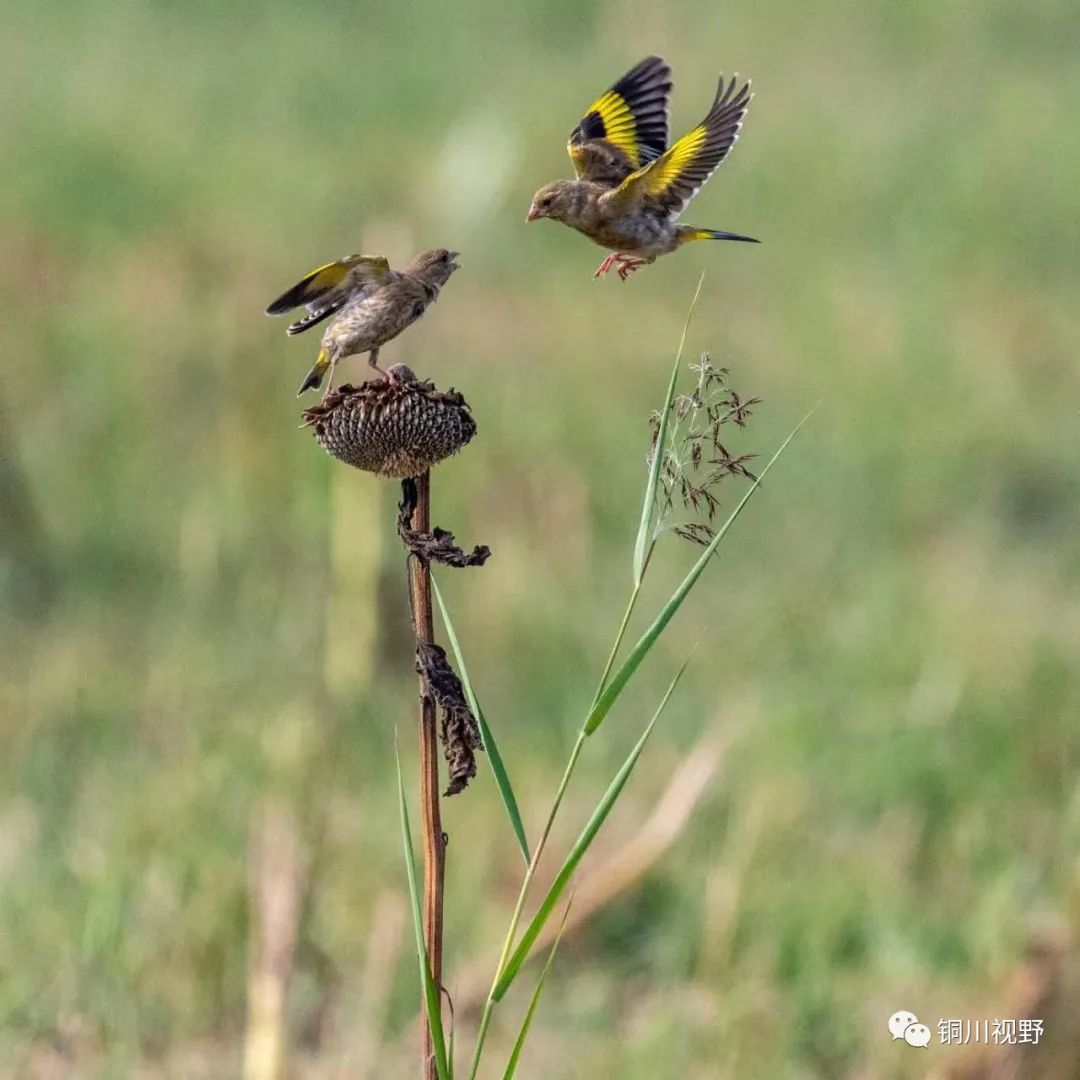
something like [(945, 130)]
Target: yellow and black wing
[(667, 184), (626, 127), (328, 288)]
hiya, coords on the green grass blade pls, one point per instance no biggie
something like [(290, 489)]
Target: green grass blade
[(641, 544), (523, 1034), (649, 638), (502, 778), (431, 991), (577, 853), (644, 535)]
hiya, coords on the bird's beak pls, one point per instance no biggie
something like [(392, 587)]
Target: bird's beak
[(533, 214)]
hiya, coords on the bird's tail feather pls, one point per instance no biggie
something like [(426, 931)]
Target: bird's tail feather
[(313, 379), (691, 232)]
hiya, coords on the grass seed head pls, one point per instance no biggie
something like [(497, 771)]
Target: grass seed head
[(695, 460)]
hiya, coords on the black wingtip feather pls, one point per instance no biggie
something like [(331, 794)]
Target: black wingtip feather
[(646, 88), (290, 299), (727, 99), (278, 307), (722, 124)]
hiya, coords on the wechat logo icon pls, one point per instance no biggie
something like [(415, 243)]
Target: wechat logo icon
[(905, 1025)]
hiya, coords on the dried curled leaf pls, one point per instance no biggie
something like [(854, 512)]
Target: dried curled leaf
[(460, 732), (437, 545)]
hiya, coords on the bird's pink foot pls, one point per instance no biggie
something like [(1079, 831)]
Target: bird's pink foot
[(373, 360), (628, 264), (607, 264)]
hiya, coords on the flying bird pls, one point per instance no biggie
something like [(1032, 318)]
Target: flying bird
[(371, 303), (631, 187)]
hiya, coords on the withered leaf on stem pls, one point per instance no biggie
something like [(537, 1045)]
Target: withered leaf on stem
[(460, 732), (437, 545)]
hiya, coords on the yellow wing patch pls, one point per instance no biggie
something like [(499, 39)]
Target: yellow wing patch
[(658, 176), (368, 268), (378, 266), (326, 277), (619, 126)]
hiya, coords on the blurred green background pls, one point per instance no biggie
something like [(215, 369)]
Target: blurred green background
[(203, 618)]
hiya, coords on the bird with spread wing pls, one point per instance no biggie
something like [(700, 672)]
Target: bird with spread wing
[(370, 302), (631, 187)]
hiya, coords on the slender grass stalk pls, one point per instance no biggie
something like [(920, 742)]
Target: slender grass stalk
[(435, 1062), (511, 959), (508, 967), (581, 846), (646, 537), (526, 1023), (608, 690), (643, 547), (430, 812), (519, 906), (643, 543), (630, 604)]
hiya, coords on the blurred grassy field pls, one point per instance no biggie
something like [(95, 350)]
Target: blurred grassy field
[(203, 616)]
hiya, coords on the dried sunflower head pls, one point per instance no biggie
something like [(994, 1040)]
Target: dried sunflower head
[(395, 428)]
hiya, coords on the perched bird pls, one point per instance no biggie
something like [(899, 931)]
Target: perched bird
[(372, 304), (631, 187)]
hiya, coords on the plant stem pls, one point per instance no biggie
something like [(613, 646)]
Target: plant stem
[(519, 907), (434, 842), (621, 634), (530, 873)]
